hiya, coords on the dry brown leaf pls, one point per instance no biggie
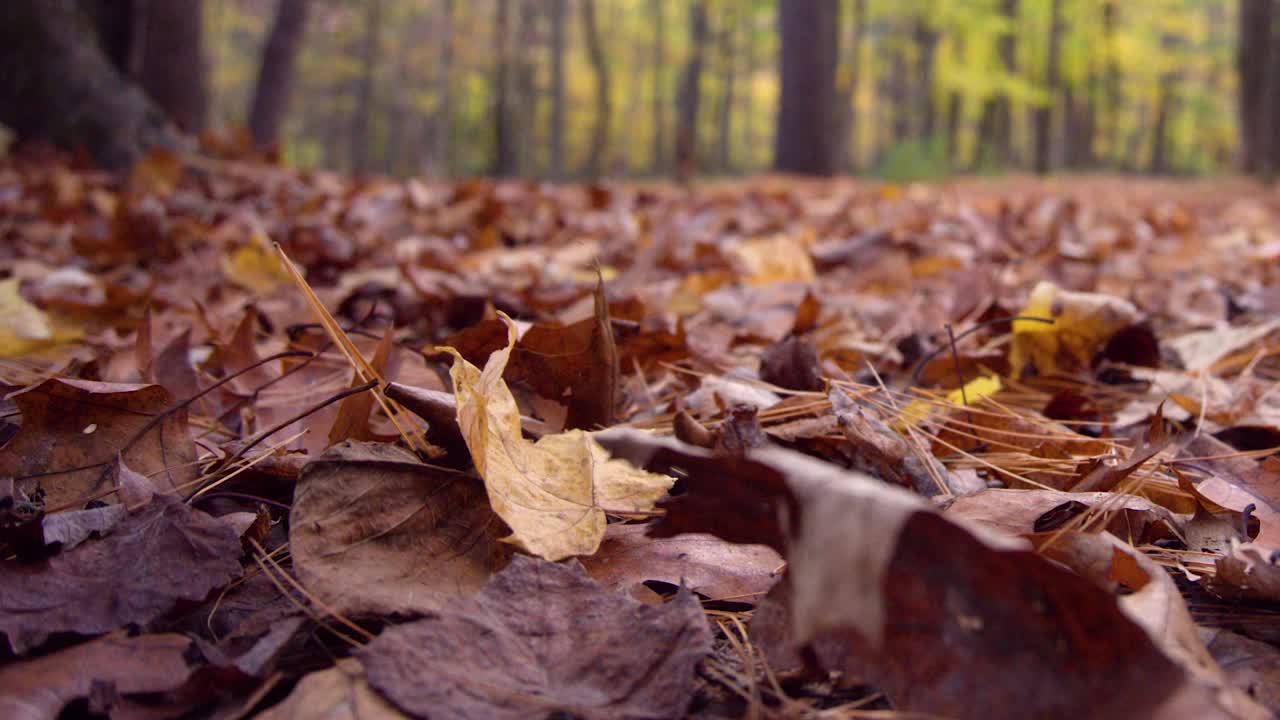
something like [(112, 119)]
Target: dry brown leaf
[(340, 693), (705, 564), (542, 638), (69, 424), (375, 532), (553, 494)]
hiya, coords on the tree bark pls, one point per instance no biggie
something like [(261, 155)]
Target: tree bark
[(995, 128), (1043, 117), (595, 54), (926, 39), (1252, 60), (805, 138), (689, 94), (173, 70), (56, 84), (659, 106), (275, 74), (559, 19), (504, 158), (728, 54), (369, 56), (847, 95)]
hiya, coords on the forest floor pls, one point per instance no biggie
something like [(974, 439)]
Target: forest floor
[(763, 448)]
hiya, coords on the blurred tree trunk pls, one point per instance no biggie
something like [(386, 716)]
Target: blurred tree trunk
[(275, 74), (926, 40), (1043, 116), (847, 95), (57, 84), (172, 68), (995, 128), (689, 94), (660, 159), (523, 110), (728, 55), (1252, 63), (604, 111), (748, 140), (805, 139), (955, 104), (504, 157), (559, 19), (442, 118), (369, 56), (1111, 79)]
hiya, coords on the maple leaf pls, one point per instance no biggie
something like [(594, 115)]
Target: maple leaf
[(553, 493)]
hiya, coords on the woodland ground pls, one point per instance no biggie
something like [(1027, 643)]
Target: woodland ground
[(994, 448)]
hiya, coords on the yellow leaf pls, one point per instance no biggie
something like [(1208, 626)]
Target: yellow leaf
[(25, 328), (254, 267), (553, 494), (775, 259), (1082, 324), (974, 390)]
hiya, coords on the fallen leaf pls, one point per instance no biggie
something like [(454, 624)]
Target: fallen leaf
[(913, 596), (375, 532), (705, 564), (70, 424), (42, 688), (553, 494), (153, 558), (25, 328), (1082, 324), (340, 693), (542, 638)]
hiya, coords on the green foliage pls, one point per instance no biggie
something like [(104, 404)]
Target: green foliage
[(915, 161)]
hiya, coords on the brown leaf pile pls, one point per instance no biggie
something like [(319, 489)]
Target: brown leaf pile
[(772, 448)]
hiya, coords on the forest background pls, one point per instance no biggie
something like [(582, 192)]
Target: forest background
[(572, 89)]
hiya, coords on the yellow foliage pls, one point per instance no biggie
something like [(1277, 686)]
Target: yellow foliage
[(974, 390), (25, 328), (775, 259), (1081, 324), (254, 267), (553, 494)]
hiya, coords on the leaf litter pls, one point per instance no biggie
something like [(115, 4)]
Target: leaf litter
[(292, 445)]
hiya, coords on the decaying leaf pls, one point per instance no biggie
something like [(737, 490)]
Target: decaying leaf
[(340, 693), (42, 688), (375, 532), (554, 493), (151, 559), (72, 429), (542, 638), (947, 620), (705, 564)]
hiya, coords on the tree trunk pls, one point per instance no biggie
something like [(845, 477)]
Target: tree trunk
[(275, 74), (659, 106), (995, 128), (369, 56), (728, 54), (955, 104), (559, 18), (1252, 59), (805, 139), (1043, 117), (1112, 89), (504, 157), (926, 40), (595, 53), (442, 119), (847, 96), (173, 70), (689, 94), (57, 84)]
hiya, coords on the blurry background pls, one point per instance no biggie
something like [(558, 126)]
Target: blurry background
[(572, 88), (578, 89)]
